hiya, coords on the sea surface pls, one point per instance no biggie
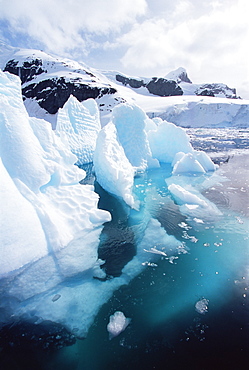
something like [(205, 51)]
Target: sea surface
[(188, 312)]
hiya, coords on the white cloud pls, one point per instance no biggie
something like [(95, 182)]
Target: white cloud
[(60, 24), (211, 44), (143, 37)]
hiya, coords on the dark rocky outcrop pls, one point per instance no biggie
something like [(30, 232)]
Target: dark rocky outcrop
[(163, 87), (156, 86), (132, 82), (52, 94), (27, 71), (216, 89), (184, 77)]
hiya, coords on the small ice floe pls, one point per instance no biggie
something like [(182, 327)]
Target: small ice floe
[(56, 297), (202, 306), (239, 220), (190, 237), (151, 264), (118, 323), (155, 251), (172, 258), (185, 226), (198, 220)]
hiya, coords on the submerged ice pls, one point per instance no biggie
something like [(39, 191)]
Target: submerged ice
[(51, 225)]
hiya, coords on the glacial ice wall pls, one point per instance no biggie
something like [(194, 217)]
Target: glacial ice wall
[(50, 224)]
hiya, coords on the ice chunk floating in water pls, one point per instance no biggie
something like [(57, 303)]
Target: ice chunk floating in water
[(118, 323), (202, 306)]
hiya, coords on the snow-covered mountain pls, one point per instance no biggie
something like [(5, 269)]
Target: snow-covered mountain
[(47, 83)]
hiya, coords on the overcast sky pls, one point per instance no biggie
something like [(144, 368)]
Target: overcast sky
[(138, 37)]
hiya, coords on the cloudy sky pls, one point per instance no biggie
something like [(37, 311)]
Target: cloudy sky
[(210, 38)]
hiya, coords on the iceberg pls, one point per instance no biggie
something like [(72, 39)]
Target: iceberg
[(50, 224), (192, 203), (78, 125), (113, 170), (117, 324), (166, 140)]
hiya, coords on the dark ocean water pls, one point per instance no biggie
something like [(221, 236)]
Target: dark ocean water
[(167, 331)]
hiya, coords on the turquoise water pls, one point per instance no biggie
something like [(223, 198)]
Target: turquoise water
[(166, 330)]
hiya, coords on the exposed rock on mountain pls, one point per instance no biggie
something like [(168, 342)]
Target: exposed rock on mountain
[(27, 71), (163, 87), (132, 82), (156, 86), (216, 90), (52, 94), (50, 82)]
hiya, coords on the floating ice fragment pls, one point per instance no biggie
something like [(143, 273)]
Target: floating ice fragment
[(118, 323), (172, 258), (239, 220), (185, 226), (198, 220), (155, 251), (202, 306), (206, 244)]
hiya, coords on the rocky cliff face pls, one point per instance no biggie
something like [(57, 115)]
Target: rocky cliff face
[(156, 86), (163, 87), (51, 83), (218, 90)]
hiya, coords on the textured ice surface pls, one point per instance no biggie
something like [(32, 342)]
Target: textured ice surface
[(50, 224), (113, 170), (202, 306), (78, 124), (130, 122), (167, 140)]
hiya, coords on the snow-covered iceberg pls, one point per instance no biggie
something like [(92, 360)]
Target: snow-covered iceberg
[(50, 224), (132, 142), (78, 124)]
